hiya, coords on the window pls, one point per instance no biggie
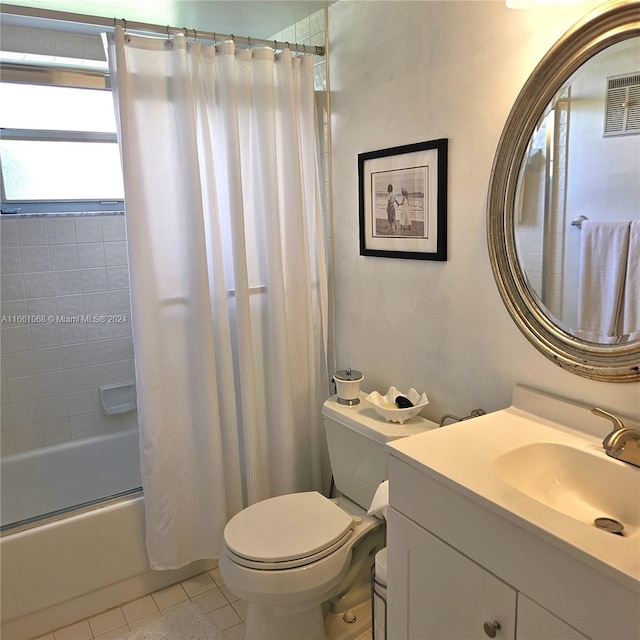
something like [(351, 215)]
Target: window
[(58, 149)]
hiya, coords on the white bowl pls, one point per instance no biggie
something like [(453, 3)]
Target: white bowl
[(385, 405)]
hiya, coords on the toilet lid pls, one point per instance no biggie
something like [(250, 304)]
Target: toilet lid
[(288, 527)]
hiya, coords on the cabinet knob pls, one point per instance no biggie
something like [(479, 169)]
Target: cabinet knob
[(491, 628)]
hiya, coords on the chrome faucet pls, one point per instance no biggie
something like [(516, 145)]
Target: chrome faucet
[(623, 443)]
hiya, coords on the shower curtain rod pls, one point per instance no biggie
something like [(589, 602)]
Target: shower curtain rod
[(167, 30)]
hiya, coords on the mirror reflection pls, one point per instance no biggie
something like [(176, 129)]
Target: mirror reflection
[(577, 207)]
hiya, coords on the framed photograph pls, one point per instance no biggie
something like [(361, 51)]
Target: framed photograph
[(403, 201)]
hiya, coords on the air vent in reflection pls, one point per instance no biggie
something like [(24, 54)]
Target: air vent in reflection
[(622, 108)]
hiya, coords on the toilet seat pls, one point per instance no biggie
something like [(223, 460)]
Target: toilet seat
[(287, 531), (288, 564)]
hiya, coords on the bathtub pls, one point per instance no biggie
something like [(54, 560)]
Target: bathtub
[(78, 563), (55, 478)]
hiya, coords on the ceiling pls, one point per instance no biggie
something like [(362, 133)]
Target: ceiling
[(256, 18)]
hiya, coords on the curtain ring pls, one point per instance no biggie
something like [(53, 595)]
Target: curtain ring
[(214, 37), (186, 32), (168, 43), (195, 35), (124, 24), (249, 39), (288, 46)]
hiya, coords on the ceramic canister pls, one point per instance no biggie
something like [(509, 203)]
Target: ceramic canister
[(348, 385)]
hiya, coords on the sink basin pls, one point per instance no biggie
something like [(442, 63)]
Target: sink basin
[(580, 483)]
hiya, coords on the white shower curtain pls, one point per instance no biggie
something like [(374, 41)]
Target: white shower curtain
[(228, 281)]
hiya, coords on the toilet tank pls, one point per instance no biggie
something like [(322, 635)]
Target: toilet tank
[(356, 436)]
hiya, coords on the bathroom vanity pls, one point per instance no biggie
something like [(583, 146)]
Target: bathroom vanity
[(491, 529)]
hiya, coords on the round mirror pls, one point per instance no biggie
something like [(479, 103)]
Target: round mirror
[(564, 200)]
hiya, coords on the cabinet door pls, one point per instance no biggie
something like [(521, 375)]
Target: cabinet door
[(441, 594), (536, 623)]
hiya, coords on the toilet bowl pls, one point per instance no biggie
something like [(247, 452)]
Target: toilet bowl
[(287, 556), (285, 592)]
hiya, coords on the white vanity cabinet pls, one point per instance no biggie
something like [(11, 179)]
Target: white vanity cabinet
[(440, 594), (534, 623), (494, 520), (455, 562)]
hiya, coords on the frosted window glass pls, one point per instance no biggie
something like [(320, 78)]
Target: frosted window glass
[(31, 106), (44, 170)]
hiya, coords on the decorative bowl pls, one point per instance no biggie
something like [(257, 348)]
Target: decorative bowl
[(386, 407)]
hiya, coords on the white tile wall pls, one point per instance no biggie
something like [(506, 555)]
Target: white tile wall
[(67, 267)]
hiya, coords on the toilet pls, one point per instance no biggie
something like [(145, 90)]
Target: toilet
[(288, 556)]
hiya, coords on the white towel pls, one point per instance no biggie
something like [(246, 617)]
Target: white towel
[(603, 261), (631, 305)]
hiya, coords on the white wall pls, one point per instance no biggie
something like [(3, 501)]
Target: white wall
[(404, 72)]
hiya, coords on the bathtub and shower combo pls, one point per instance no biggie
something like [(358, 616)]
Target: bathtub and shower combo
[(73, 534), (72, 510)]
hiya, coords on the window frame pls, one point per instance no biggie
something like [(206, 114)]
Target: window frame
[(64, 77)]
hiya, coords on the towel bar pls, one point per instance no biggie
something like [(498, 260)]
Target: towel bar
[(578, 221)]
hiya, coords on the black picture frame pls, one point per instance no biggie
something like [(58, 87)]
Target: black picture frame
[(412, 180)]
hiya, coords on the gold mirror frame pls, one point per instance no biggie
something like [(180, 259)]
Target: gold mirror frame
[(607, 25)]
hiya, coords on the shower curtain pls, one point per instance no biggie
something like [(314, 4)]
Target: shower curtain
[(228, 281)]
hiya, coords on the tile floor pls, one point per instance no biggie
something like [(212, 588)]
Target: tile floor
[(226, 611), (208, 590)]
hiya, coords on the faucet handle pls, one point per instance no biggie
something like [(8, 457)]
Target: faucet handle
[(609, 416), (613, 440), (623, 443)]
